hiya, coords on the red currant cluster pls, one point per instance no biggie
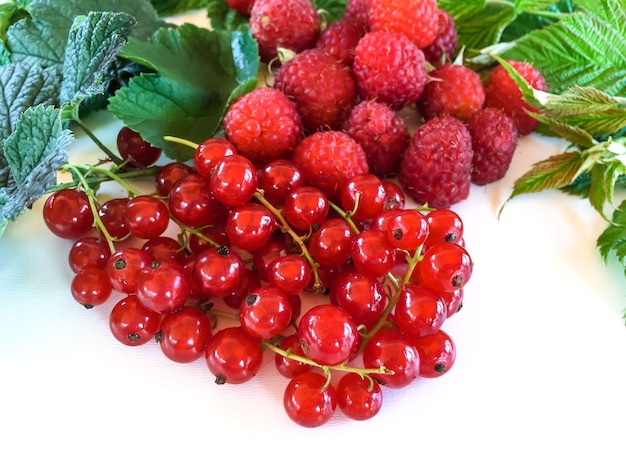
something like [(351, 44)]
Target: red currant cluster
[(255, 240)]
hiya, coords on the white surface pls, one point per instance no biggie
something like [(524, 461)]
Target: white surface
[(539, 381)]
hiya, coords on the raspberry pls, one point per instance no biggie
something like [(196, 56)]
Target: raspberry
[(494, 140), (290, 24), (264, 125), (329, 159), (358, 11), (502, 92), (322, 88), (435, 168), (382, 134), (340, 39), (389, 68), (417, 19), (452, 89), (443, 49)]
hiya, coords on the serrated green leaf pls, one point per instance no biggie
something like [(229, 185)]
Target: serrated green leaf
[(196, 74), (462, 10), (529, 94), (224, 18), (35, 42), (486, 28), (93, 44), (555, 128), (174, 7), (21, 87), (613, 238), (34, 151)]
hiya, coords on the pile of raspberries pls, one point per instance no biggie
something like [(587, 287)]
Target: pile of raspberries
[(332, 104)]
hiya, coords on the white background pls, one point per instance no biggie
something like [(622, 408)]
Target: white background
[(539, 382)]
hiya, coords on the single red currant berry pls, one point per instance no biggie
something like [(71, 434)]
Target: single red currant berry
[(67, 213), (146, 217), (234, 180), (309, 400), (372, 253), (265, 312), (395, 195), (453, 300), (290, 273), (264, 256), (444, 225), (394, 351), (419, 311), (445, 267), (407, 230), (233, 356), (362, 296), (437, 353), (330, 244), (210, 152), (134, 150), (286, 366), (91, 286), (132, 323), (191, 202), (124, 266), (251, 281), (250, 226), (328, 334), (170, 174), (306, 207), (359, 398), (113, 216), (164, 249), (363, 196), (184, 334), (278, 179), (218, 271), (88, 251), (163, 287)]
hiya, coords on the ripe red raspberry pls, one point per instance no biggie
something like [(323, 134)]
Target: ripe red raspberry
[(329, 159), (502, 92), (241, 6), (443, 49), (264, 125), (435, 168), (389, 68), (290, 24), (322, 88), (494, 140), (382, 134), (417, 19), (358, 11), (452, 89), (340, 39)]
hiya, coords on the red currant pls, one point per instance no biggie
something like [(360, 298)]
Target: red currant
[(308, 400), (88, 251), (306, 207), (163, 287), (367, 193), (286, 366), (135, 150), (146, 217), (437, 353), (445, 267), (218, 271), (330, 244), (250, 226), (191, 202), (372, 253), (359, 398), (265, 312), (133, 324), (278, 179), (233, 356), (234, 180), (67, 213), (91, 286), (124, 267), (210, 152), (394, 351), (419, 310), (291, 273), (113, 216), (185, 334), (170, 174)]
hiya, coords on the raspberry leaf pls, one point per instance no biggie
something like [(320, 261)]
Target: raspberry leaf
[(613, 238), (197, 72)]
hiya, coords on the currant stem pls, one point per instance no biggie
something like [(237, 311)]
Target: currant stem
[(346, 216), (179, 140), (114, 158), (317, 285)]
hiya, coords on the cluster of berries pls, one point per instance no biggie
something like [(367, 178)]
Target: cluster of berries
[(352, 76), (216, 262)]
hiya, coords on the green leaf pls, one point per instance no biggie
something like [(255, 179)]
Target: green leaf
[(22, 87), (174, 7), (331, 10), (582, 49), (93, 44), (555, 128), (196, 74), (462, 10), (485, 28), (34, 151), (35, 42), (224, 18), (613, 238)]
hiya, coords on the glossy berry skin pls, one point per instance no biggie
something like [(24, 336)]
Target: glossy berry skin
[(444, 225), (191, 201), (165, 249), (437, 354), (265, 255), (358, 397), (445, 267), (394, 351), (134, 150), (234, 180), (88, 251), (288, 367), (250, 226), (265, 312), (233, 356), (113, 216), (362, 296), (146, 217), (330, 244), (290, 273), (363, 196), (163, 287), (133, 324), (218, 271), (170, 174), (308, 400), (408, 230), (250, 281), (67, 213), (91, 286), (305, 207), (328, 334), (210, 152), (278, 179), (184, 334), (419, 311), (372, 253), (124, 267)]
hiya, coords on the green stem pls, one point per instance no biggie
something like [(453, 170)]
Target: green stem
[(179, 140), (107, 175), (198, 233), (114, 158), (345, 216)]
